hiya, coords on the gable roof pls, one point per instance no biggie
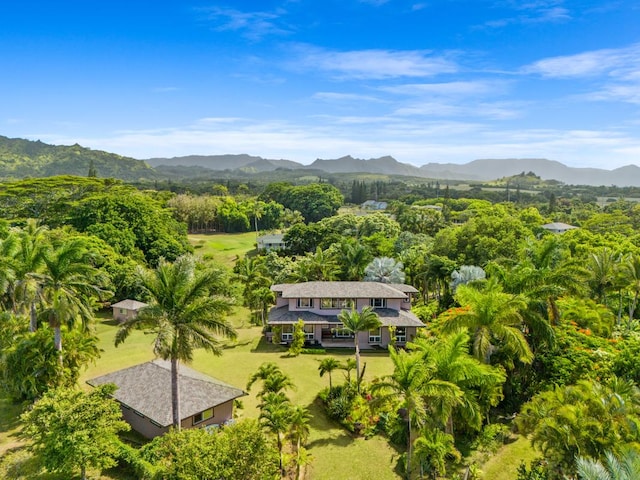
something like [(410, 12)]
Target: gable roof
[(340, 290), (558, 226), (129, 304), (146, 388), (272, 238), (388, 317)]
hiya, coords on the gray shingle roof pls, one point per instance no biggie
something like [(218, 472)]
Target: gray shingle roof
[(129, 304), (558, 226), (146, 388), (339, 290)]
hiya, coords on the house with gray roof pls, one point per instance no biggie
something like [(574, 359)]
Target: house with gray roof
[(126, 309), (144, 394), (270, 242), (318, 304), (558, 227)]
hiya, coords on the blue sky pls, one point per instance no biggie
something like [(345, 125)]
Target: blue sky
[(423, 81)]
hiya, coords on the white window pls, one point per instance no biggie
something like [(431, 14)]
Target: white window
[(308, 332), (401, 334), (378, 302), (374, 335), (287, 332), (305, 303), (202, 416), (337, 303), (122, 310), (341, 332)]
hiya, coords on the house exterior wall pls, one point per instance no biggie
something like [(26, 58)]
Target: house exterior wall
[(125, 315), (292, 303), (146, 428), (142, 424), (221, 413)]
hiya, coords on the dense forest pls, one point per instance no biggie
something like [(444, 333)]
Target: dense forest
[(526, 332)]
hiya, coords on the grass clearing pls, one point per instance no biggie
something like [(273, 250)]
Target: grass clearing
[(504, 464), (224, 248)]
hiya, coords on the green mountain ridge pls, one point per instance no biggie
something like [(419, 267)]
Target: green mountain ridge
[(21, 158)]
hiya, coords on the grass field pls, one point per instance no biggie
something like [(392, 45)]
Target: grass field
[(224, 248)]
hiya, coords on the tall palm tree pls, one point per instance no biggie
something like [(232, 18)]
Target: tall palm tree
[(355, 322), (70, 286), (273, 379), (328, 365), (275, 416), (630, 270), (480, 384), (494, 319), (29, 261), (183, 315), (603, 265), (8, 249), (299, 432), (413, 386)]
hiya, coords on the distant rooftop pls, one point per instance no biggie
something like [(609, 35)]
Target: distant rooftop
[(343, 290), (129, 304)]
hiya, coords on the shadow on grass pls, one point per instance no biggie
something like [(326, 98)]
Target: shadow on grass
[(231, 346), (266, 347), (321, 423), (9, 415)]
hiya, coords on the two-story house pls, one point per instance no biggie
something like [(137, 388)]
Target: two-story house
[(319, 303)]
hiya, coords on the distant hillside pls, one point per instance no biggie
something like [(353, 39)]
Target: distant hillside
[(24, 158), (225, 162), (385, 165), (489, 169), (21, 158)]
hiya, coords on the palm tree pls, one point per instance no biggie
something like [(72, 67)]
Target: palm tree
[(328, 365), (412, 385), (384, 270), (624, 467), (603, 265), (480, 384), (299, 432), (491, 316), (183, 315), (29, 261), (354, 257), (276, 416), (354, 322), (432, 450), (70, 286), (8, 250), (274, 380), (630, 270)]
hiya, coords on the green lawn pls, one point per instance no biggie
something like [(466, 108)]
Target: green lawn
[(504, 464), (223, 247), (358, 458)]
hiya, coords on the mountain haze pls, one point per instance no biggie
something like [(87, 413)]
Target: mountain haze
[(21, 158)]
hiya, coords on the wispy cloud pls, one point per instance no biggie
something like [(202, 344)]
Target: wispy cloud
[(614, 73), (252, 25), (457, 88), (345, 97), (373, 64), (543, 11)]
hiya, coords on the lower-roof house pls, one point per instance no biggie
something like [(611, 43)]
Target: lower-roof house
[(318, 304), (144, 394)]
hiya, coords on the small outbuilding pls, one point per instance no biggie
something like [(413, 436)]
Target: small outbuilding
[(144, 394), (558, 227), (126, 309), (271, 242)]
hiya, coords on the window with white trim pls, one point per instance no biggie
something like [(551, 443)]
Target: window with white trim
[(374, 335), (304, 303), (337, 303), (308, 332), (378, 302), (342, 332), (287, 332), (401, 334), (202, 416)]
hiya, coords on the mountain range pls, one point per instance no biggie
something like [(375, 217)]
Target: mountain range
[(21, 158), (478, 170)]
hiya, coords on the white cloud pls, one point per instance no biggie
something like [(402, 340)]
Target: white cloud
[(373, 64), (345, 97), (621, 63), (253, 25), (459, 88), (416, 141)]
